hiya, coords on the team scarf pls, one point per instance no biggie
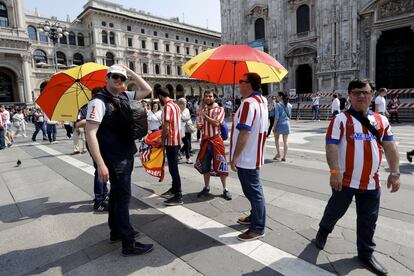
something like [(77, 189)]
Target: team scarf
[(152, 155), (217, 165)]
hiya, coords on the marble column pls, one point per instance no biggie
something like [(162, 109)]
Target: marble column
[(20, 86), (28, 95)]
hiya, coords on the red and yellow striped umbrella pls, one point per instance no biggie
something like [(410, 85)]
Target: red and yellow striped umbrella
[(69, 90), (228, 63)]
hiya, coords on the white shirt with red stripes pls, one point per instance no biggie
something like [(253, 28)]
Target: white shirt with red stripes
[(216, 113), (252, 115), (360, 154), (171, 117)]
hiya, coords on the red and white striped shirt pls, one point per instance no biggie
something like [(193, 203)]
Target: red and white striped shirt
[(252, 115), (215, 113), (171, 117), (360, 154)]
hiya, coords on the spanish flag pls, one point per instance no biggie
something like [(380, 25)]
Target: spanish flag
[(152, 155)]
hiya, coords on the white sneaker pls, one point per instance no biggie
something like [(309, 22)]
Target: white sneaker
[(189, 161)]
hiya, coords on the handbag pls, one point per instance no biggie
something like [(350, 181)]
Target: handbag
[(189, 127)]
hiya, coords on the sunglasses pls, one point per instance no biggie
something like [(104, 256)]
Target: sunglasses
[(115, 77), (243, 81)]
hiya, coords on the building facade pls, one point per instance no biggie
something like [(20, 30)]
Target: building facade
[(105, 33), (326, 43)]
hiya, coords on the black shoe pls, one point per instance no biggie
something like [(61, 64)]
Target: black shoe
[(117, 238), (174, 201), (409, 157), (101, 206), (321, 238), (374, 265), (168, 194), (227, 195), (204, 192), (33, 139), (137, 249)]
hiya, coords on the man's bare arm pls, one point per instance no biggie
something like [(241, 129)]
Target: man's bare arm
[(392, 156), (332, 158), (240, 145)]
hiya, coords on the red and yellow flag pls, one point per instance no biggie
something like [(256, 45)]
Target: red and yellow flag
[(152, 155)]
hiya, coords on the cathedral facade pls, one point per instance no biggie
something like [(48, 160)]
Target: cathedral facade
[(326, 43), (105, 33)]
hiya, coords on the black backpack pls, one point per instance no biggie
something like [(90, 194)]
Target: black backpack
[(133, 114)]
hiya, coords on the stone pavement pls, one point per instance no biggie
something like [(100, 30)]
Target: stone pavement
[(47, 225)]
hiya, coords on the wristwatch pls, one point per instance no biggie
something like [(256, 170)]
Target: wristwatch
[(395, 174)]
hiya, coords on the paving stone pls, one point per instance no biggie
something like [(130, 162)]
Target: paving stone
[(286, 217), (239, 204)]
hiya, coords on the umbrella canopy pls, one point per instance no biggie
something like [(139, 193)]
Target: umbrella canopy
[(228, 63), (69, 90)]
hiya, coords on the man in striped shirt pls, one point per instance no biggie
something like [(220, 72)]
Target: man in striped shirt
[(211, 159), (248, 137), (354, 143), (171, 139)]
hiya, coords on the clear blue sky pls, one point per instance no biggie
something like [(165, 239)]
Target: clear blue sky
[(196, 12)]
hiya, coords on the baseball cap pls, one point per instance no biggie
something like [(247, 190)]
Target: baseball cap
[(116, 69)]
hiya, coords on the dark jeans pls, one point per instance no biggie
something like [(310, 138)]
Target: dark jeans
[(253, 190), (38, 127), (100, 187), (272, 120), (119, 197), (51, 132), (172, 158), (367, 206), (187, 145), (2, 140), (315, 112)]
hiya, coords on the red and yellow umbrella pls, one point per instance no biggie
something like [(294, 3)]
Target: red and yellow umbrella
[(228, 63), (69, 90)]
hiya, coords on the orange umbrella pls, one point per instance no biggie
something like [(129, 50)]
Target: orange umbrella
[(69, 90)]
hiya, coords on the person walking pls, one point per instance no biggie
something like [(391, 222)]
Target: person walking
[(248, 138), (354, 143), (39, 122), (19, 123), (51, 129), (283, 112), (335, 106), (171, 140), (211, 159), (186, 129), (113, 149)]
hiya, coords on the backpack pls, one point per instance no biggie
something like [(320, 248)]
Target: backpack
[(224, 131), (133, 114)]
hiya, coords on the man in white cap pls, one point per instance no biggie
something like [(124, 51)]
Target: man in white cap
[(113, 151)]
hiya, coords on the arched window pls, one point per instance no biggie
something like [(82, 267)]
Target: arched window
[(157, 69), (109, 59), (81, 40), (32, 33), (302, 19), (112, 38), (77, 59), (39, 56), (63, 40), (104, 37), (144, 68), (259, 29), (72, 38), (168, 69), (61, 58), (43, 37), (4, 18)]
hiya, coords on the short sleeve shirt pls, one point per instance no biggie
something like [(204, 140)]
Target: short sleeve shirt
[(96, 108)]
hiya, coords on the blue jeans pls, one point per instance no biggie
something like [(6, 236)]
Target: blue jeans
[(315, 112), (172, 158), (253, 190), (367, 206), (100, 187), (39, 127), (51, 132)]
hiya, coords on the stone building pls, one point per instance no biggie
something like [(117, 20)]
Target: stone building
[(326, 43), (105, 33)]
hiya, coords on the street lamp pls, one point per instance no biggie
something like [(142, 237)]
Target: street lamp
[(54, 31)]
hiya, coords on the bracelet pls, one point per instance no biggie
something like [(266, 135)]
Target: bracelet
[(395, 174), (334, 171)]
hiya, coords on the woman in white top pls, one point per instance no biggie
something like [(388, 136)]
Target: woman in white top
[(19, 123), (154, 117), (186, 124)]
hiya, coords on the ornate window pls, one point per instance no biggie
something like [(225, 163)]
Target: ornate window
[(63, 40), (144, 68), (32, 33), (4, 18), (179, 70), (40, 56), (259, 29), (78, 59), (157, 69), (61, 58), (43, 37), (104, 37), (112, 38), (81, 39), (72, 38), (131, 65), (109, 59), (303, 19), (168, 69)]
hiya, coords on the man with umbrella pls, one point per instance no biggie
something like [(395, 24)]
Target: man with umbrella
[(113, 152)]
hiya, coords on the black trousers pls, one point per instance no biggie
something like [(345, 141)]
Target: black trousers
[(187, 145), (272, 120), (367, 206), (2, 140), (172, 158), (119, 197)]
